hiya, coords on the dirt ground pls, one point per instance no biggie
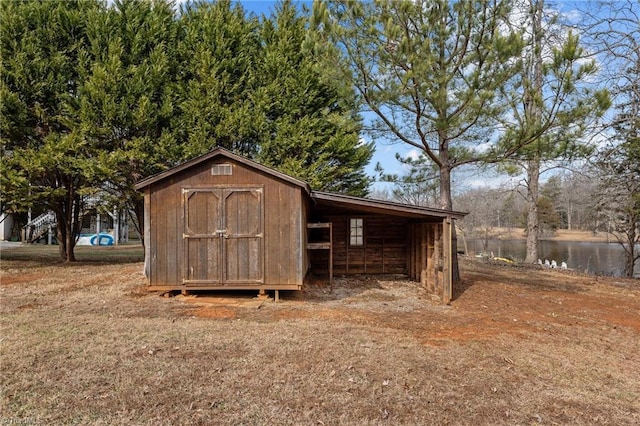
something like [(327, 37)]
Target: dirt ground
[(86, 344)]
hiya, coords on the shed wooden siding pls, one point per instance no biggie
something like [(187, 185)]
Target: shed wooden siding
[(383, 251), (284, 213), (429, 256)]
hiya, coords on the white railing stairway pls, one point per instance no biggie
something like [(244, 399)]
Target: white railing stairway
[(39, 226)]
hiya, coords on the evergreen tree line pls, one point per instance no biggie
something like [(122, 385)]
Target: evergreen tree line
[(97, 96)]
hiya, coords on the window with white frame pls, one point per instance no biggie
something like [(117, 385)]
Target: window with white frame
[(356, 232)]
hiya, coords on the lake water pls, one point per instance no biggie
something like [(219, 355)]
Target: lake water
[(593, 258)]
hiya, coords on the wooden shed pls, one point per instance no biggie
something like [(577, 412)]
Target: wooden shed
[(221, 221)]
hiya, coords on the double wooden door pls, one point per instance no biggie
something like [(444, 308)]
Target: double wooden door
[(223, 236)]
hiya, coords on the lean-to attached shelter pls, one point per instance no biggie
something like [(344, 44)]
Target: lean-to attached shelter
[(221, 221)]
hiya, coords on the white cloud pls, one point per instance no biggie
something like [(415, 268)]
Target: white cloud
[(572, 16), (414, 154)]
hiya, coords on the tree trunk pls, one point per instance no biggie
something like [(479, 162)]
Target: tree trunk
[(533, 177), (464, 242), (61, 236), (66, 237), (68, 223), (70, 246), (137, 205), (630, 249), (533, 111), (630, 263)]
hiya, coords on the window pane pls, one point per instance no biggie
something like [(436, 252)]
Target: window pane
[(356, 232)]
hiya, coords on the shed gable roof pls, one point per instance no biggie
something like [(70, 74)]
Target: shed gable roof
[(215, 153), (380, 206), (319, 198)]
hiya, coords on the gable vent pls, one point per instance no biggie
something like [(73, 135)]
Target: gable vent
[(221, 170)]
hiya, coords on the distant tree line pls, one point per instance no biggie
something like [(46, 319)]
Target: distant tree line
[(96, 96), (566, 201)]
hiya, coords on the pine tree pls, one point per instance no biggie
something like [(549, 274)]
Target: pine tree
[(429, 70), (311, 127), (551, 109), (96, 97)]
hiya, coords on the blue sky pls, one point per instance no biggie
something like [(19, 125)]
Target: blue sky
[(260, 7)]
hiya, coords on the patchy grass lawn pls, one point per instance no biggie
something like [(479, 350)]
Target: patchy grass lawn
[(86, 344)]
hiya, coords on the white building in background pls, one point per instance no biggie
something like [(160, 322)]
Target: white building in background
[(6, 224)]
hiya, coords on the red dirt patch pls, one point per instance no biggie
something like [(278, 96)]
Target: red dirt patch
[(7, 279), (218, 312)]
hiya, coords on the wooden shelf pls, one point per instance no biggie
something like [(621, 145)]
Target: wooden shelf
[(319, 246), (318, 225), (323, 245)]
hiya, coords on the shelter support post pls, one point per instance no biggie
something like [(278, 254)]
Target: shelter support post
[(423, 254), (147, 234), (447, 258), (437, 249)]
